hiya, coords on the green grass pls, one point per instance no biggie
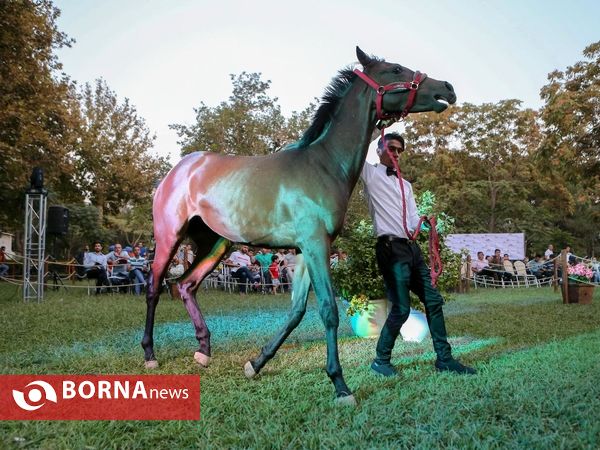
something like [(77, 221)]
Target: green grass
[(538, 384)]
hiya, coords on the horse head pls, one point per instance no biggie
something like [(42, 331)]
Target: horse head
[(401, 90)]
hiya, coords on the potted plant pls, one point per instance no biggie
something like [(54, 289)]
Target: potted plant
[(579, 284), (358, 282)]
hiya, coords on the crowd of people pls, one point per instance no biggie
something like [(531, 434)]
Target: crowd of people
[(540, 266), (119, 267), (262, 270)]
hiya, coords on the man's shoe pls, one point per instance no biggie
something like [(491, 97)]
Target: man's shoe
[(385, 369), (452, 365)]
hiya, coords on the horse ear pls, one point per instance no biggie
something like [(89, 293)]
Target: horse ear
[(363, 58)]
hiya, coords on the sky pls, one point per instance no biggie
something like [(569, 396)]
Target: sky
[(169, 56)]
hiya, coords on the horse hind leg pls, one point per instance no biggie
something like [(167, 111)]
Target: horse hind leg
[(301, 285), (211, 248)]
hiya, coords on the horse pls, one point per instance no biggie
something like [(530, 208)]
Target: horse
[(217, 200)]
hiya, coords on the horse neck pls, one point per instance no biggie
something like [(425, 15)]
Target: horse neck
[(344, 147)]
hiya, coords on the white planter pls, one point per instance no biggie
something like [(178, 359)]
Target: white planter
[(370, 322), (415, 329)]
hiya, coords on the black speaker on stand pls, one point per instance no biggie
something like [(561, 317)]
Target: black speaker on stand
[(58, 220), (57, 224)]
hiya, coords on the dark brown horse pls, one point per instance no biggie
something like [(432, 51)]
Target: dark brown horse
[(216, 200)]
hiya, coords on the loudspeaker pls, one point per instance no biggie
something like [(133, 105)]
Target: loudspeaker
[(58, 220)]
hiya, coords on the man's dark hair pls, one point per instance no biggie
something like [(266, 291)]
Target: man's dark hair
[(391, 136), (96, 242)]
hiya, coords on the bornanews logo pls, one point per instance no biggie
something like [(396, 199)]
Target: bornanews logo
[(98, 397)]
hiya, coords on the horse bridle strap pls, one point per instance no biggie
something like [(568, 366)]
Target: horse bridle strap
[(412, 86)]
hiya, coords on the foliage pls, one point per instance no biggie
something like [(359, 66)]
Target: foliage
[(580, 272), (357, 278), (571, 115), (38, 105), (450, 277), (250, 122), (114, 165)]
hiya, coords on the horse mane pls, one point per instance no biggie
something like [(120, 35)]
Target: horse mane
[(333, 94)]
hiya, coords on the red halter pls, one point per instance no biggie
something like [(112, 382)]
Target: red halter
[(413, 86)]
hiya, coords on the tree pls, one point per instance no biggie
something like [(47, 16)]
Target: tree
[(571, 148), (113, 163), (248, 123), (38, 105), (572, 117)]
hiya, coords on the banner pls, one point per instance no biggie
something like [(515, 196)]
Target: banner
[(99, 397)]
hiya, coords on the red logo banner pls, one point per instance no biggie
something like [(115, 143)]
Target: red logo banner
[(99, 397)]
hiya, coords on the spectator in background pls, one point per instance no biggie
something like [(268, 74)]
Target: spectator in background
[(264, 258), (117, 261), (290, 264), (143, 249), (189, 256), (536, 266), (138, 268), (239, 261), (570, 257), (176, 268), (3, 259), (481, 266), (549, 252), (596, 269), (274, 272), (96, 265)]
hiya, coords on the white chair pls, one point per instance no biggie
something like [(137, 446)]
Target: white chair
[(522, 275), (509, 268)]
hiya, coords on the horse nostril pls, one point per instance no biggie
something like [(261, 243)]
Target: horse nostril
[(449, 86)]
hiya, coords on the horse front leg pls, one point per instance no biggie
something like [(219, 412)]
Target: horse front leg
[(300, 287), (316, 254)]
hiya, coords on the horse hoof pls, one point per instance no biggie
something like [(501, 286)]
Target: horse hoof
[(346, 400), (249, 370), (202, 359), (152, 364)]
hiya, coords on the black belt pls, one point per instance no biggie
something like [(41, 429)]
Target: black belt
[(392, 238)]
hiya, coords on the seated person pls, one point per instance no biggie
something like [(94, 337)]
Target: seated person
[(239, 262), (481, 266), (117, 264), (138, 268), (536, 267), (95, 264), (3, 258), (176, 268)]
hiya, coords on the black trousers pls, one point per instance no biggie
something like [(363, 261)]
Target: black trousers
[(403, 268), (99, 273)]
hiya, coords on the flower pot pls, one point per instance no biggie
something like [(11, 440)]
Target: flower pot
[(580, 293), (368, 324), (416, 328)]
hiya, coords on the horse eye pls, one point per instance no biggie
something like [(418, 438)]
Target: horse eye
[(397, 69)]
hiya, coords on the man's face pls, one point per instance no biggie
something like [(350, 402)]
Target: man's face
[(97, 248), (244, 249), (480, 256), (118, 249), (497, 253), (395, 146), (136, 251)]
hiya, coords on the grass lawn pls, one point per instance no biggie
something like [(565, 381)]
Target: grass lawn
[(538, 381)]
